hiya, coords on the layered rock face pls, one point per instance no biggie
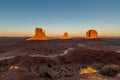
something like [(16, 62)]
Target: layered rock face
[(65, 36), (91, 34), (39, 35)]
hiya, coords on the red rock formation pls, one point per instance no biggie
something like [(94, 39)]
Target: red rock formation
[(65, 36), (39, 35), (91, 34)]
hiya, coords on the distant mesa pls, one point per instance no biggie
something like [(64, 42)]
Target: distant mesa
[(65, 36), (91, 34), (39, 35)]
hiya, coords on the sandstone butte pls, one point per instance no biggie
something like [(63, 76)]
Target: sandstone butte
[(91, 34), (65, 36), (39, 35)]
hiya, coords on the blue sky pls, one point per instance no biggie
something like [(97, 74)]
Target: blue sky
[(20, 17)]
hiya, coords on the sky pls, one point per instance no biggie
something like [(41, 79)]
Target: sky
[(19, 18)]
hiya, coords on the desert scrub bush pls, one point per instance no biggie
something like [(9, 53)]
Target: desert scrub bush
[(110, 70), (87, 70), (68, 75), (49, 65), (45, 74), (29, 69)]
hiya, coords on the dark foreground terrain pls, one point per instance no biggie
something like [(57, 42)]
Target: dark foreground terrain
[(52, 60)]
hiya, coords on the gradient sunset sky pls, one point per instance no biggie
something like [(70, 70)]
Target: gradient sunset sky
[(20, 17)]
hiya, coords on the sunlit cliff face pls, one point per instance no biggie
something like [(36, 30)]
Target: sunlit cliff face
[(65, 36), (91, 34), (39, 35)]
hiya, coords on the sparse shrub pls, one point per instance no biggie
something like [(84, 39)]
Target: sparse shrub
[(2, 69), (29, 69), (45, 74), (2, 51), (49, 65), (87, 70), (67, 75), (33, 48), (110, 70)]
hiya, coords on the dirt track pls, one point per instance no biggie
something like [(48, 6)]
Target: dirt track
[(46, 56)]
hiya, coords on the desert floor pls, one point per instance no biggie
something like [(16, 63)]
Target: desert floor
[(56, 59)]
